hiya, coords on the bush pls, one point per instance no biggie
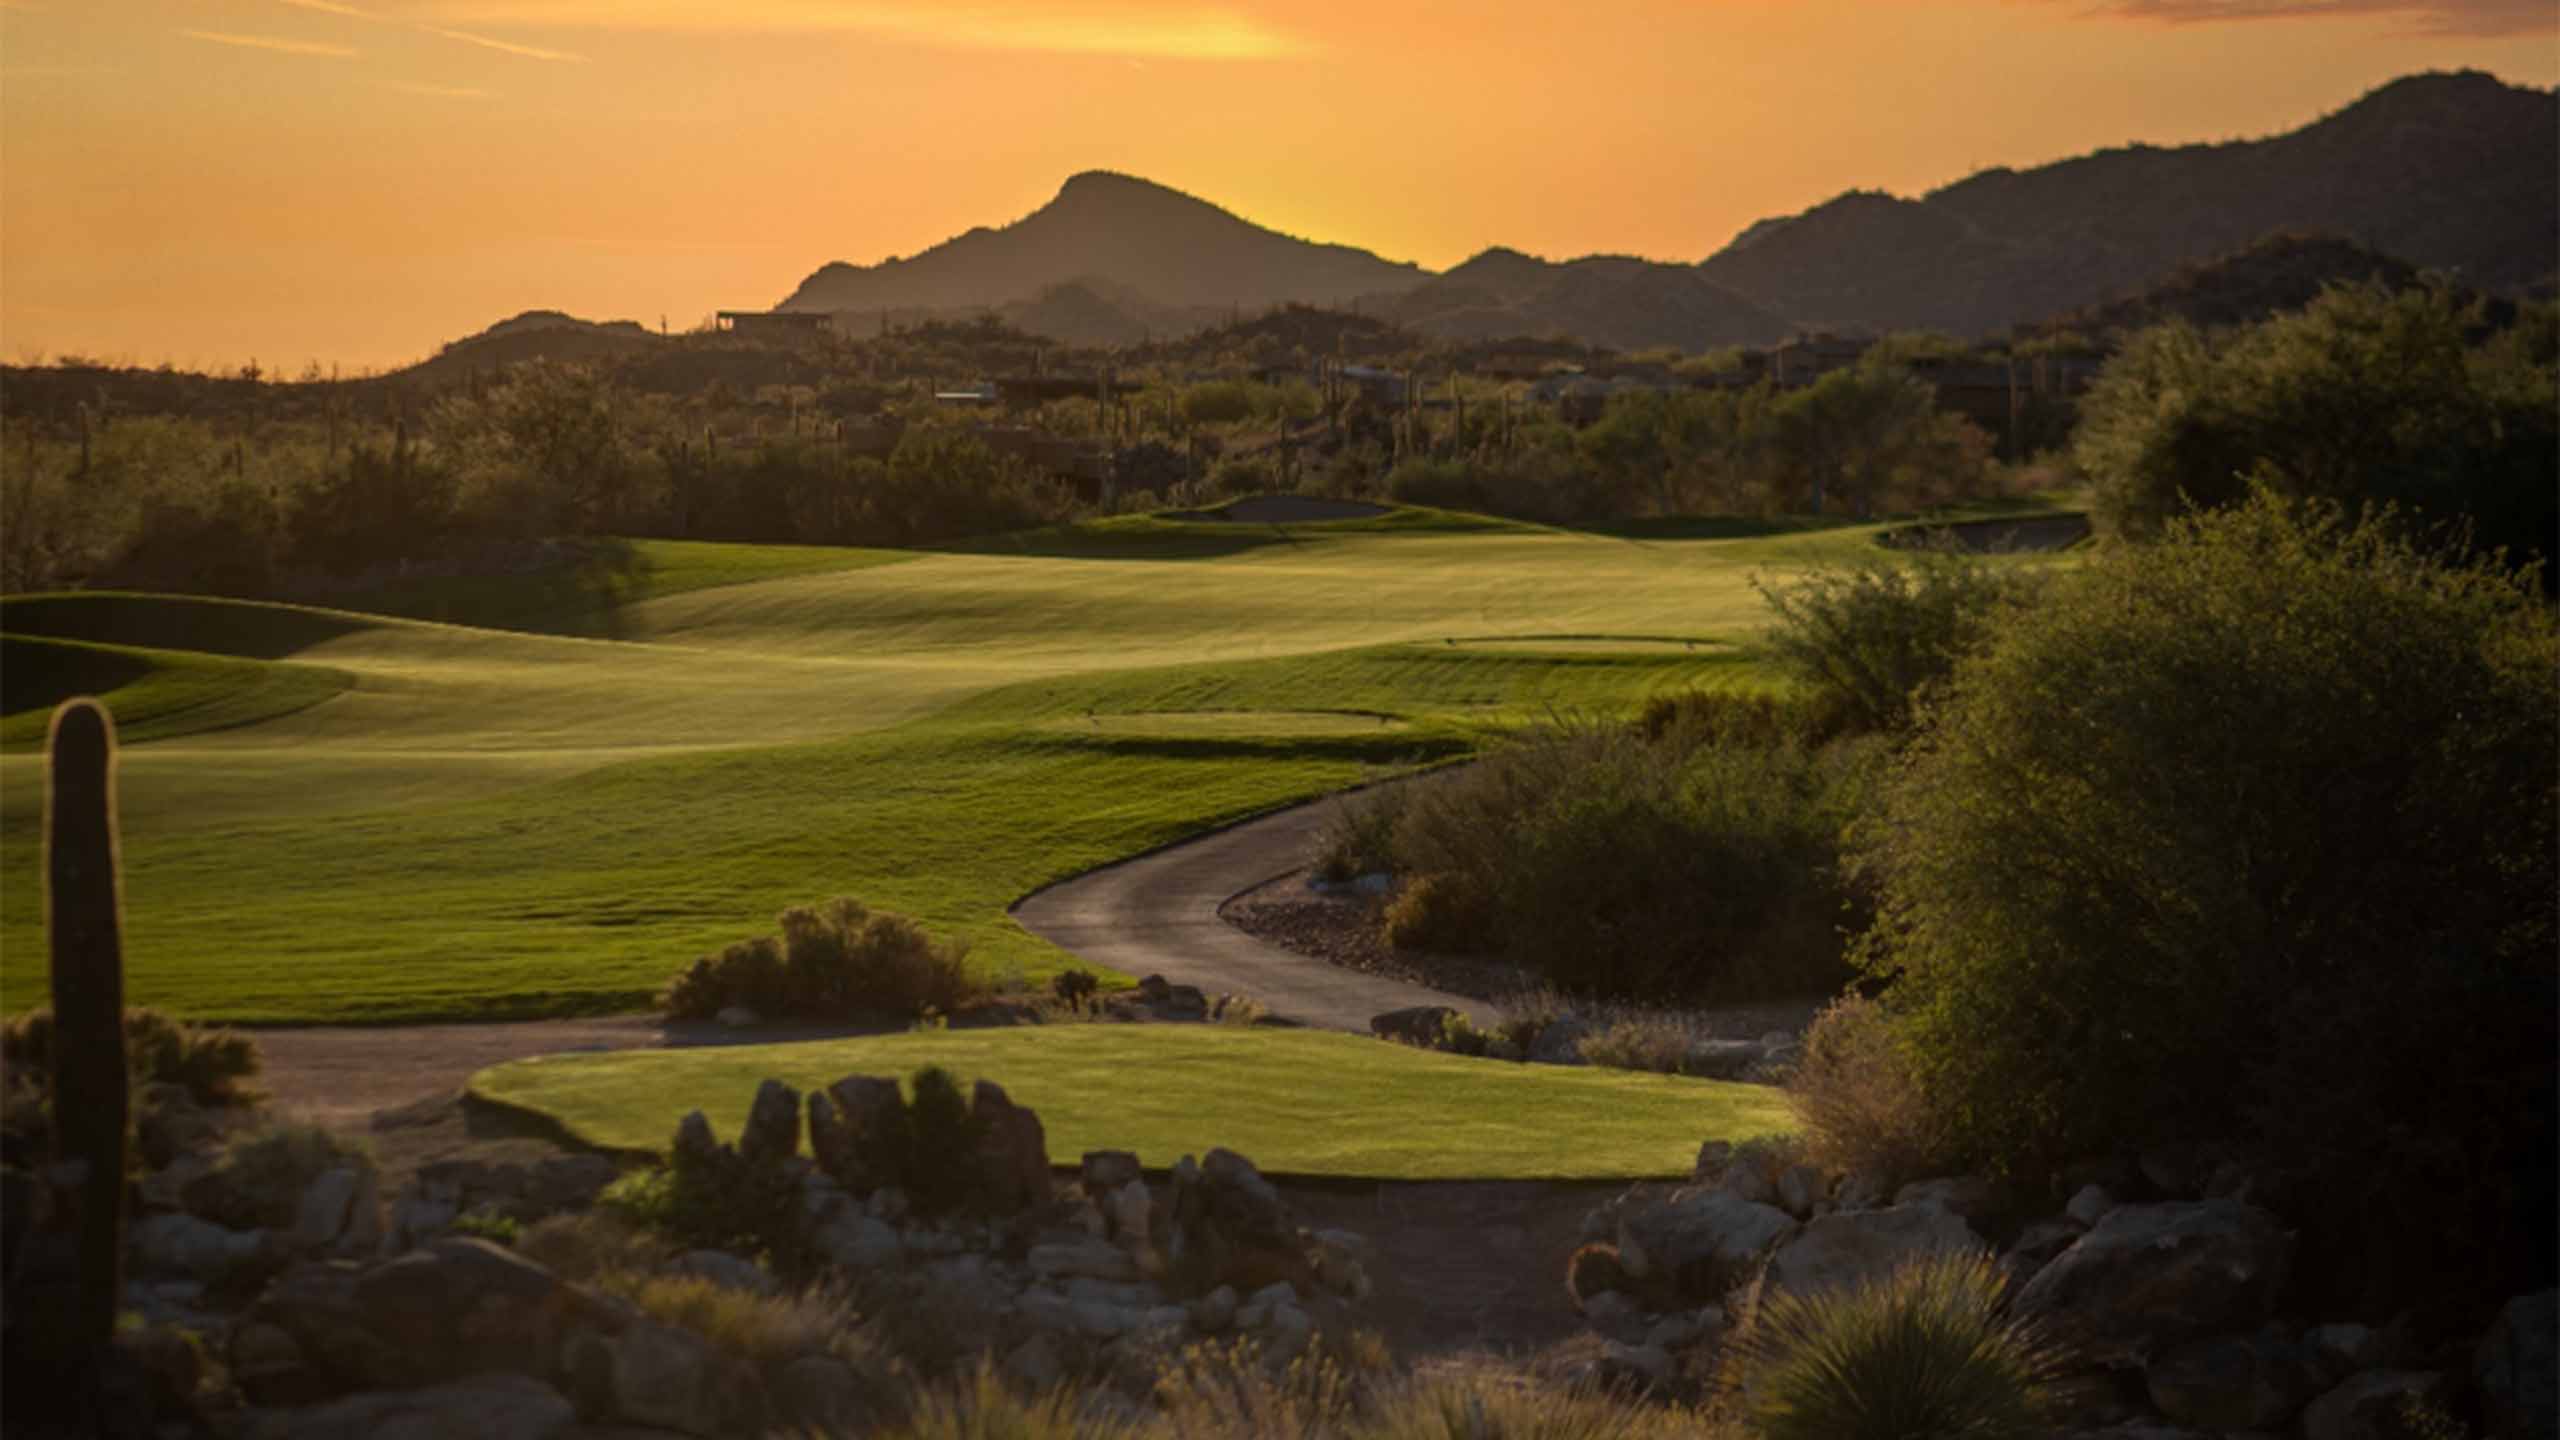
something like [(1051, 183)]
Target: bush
[(1924, 1350), (1656, 1043), (215, 1064), (943, 1136), (1658, 870), (1440, 913), (1857, 1102), (2261, 817), (585, 1245), (837, 961), (1865, 640), (1358, 836), (1074, 985), (2365, 396), (262, 1174)]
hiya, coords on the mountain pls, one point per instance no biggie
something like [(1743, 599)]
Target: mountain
[(2279, 273), (2458, 172), (535, 335), (1611, 300), (1103, 231)]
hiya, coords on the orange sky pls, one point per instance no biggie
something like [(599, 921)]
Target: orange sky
[(355, 181)]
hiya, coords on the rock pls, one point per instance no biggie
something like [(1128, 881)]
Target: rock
[(1559, 1041), (1700, 1240), (1719, 1059), (1338, 1267), (772, 1131), (1105, 1171), (2089, 1206), (168, 1123), (1130, 1209), (2230, 1382), (856, 1131), (1091, 1259), (1746, 1180), (1612, 1316), (1861, 1190), (425, 1210), (2368, 1406), (2181, 1171), (566, 1182), (1130, 1294), (648, 1374), (1800, 1188), (2151, 1276), (724, 1270), (1152, 989), (694, 1143), (1035, 1365), (857, 1240), (456, 1307), (1185, 1002), (1418, 1025), (819, 1394), (1970, 1197), (1645, 1366), (1846, 1247), (1013, 1152), (1713, 1157), (2335, 1352), (267, 1365), (321, 1216), (738, 1017), (1376, 882), (482, 1407), (2517, 1370), (195, 1247), (1214, 1312), (1686, 1328)]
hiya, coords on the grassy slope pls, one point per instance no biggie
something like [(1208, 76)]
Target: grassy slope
[(160, 694), (1163, 1091), (494, 823)]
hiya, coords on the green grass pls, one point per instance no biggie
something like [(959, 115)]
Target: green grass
[(160, 694), (480, 823), (1381, 1111)]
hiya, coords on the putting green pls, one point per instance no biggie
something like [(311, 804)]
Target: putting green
[(1297, 1102), (407, 820)]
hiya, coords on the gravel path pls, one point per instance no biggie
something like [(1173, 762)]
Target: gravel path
[(1158, 915)]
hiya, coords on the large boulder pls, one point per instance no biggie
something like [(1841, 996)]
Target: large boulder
[(645, 1373), (1698, 1239), (1013, 1152), (483, 1407), (2230, 1382), (455, 1307), (856, 1131), (1842, 1249), (772, 1132), (2369, 1406), (2147, 1277), (2518, 1372)]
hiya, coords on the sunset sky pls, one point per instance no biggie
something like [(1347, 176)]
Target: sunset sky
[(300, 181)]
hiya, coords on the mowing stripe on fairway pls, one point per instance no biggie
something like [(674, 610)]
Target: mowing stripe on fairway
[(1296, 1102)]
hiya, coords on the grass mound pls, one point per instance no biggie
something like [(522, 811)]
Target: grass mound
[(1300, 1102), (153, 694)]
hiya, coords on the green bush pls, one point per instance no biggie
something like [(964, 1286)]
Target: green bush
[(1665, 870), (2256, 820), (216, 1064), (1926, 1350), (1857, 1103), (1865, 640), (2365, 396), (836, 960)]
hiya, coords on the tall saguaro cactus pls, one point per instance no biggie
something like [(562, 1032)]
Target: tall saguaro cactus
[(84, 920)]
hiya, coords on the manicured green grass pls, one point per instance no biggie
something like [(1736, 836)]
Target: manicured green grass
[(160, 694), (586, 595), (484, 823), (1296, 1102)]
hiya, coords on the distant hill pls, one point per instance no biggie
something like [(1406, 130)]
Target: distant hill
[(535, 335), (1611, 300), (2279, 273), (1106, 230), (2458, 172)]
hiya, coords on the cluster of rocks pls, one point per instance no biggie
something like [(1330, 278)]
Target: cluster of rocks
[(2169, 1304), (335, 1311), (1558, 1041), (1154, 999)]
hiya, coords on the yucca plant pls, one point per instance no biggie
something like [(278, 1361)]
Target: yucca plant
[(1925, 1352)]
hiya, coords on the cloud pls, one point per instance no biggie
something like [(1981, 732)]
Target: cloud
[(330, 7), (440, 92), (2478, 18), (275, 43), (1161, 29), (510, 47)]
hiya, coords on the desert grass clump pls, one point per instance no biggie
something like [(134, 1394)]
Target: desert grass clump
[(837, 960), (1927, 1349), (767, 1331), (1857, 1100), (215, 1064), (1659, 1043), (262, 1173), (584, 1245)]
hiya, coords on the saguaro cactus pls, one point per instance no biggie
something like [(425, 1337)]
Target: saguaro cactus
[(84, 921)]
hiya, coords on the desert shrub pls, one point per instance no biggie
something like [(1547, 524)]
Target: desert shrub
[(1925, 1350), (1657, 1043), (943, 1136), (1459, 1036), (1857, 1102), (1074, 985), (2257, 820), (2366, 396), (765, 1330), (1864, 640), (983, 1407), (1237, 1010), (1480, 1406), (1610, 864), (715, 1202), (1443, 913), (1752, 718), (214, 1063), (835, 960), (583, 1245), (1358, 835), (262, 1173), (489, 1225)]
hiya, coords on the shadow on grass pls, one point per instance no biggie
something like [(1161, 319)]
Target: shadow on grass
[(251, 629)]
